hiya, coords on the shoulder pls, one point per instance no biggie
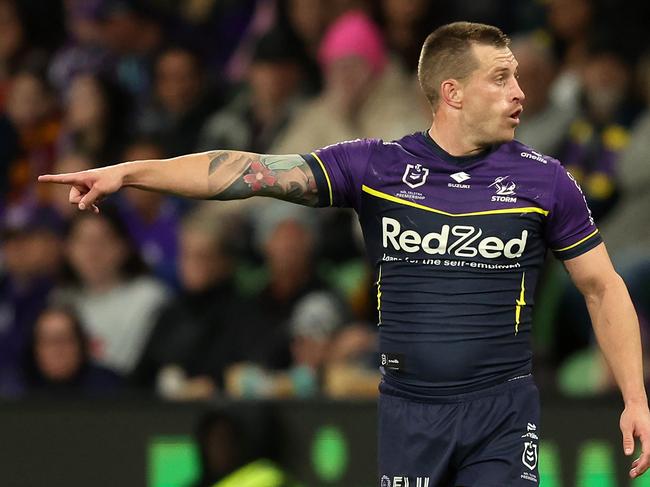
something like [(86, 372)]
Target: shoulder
[(530, 157)]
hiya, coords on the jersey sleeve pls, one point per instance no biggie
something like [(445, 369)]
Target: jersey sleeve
[(339, 170), (571, 230)]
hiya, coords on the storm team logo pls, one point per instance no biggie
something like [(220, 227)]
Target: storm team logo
[(415, 175), (503, 187)]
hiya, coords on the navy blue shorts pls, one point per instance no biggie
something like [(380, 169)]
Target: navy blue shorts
[(488, 438)]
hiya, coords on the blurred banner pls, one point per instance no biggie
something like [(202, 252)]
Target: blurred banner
[(322, 443)]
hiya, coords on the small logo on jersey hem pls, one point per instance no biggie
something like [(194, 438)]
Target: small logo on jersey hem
[(415, 175), (459, 177), (505, 189)]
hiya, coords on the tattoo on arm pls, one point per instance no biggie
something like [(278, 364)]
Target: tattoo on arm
[(237, 175)]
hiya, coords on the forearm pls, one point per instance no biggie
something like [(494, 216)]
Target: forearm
[(617, 331), (225, 175), (185, 175)]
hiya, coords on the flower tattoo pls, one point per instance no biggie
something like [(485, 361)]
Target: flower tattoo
[(260, 176)]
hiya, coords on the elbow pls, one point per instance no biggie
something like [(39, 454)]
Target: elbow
[(600, 284)]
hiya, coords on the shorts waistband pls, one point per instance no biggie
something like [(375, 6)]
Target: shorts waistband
[(512, 383)]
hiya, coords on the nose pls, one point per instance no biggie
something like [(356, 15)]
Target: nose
[(518, 94)]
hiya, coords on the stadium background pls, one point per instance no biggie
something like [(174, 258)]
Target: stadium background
[(134, 343)]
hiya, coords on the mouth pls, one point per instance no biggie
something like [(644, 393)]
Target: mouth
[(515, 115)]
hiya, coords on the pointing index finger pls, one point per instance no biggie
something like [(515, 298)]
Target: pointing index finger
[(56, 178)]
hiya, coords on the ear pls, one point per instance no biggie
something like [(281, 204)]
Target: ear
[(451, 92)]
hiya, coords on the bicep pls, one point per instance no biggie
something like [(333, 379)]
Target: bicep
[(237, 175), (592, 271)]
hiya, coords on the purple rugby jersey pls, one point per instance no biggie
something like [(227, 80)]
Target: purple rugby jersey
[(457, 244)]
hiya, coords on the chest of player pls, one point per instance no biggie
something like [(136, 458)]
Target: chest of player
[(484, 216)]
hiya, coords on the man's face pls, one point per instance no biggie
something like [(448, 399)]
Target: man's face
[(491, 96)]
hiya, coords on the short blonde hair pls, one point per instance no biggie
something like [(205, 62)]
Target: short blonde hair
[(446, 53)]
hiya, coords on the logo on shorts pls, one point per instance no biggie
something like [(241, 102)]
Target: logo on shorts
[(415, 175), (401, 481), (529, 456)]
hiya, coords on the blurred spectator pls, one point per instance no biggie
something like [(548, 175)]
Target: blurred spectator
[(406, 23), (359, 96), (626, 233), (32, 257), (328, 358), (31, 109), (57, 362), (308, 19), (253, 119), (182, 102), (84, 51), (196, 334), (152, 219), (544, 122), (570, 23), (28, 31), (132, 32), (108, 286), (287, 237), (13, 44), (627, 227), (313, 323), (261, 21), (353, 369), (96, 118), (601, 131), (228, 457)]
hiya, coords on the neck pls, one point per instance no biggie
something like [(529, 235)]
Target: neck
[(101, 286), (448, 134)]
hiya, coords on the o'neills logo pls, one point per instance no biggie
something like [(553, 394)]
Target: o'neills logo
[(458, 240)]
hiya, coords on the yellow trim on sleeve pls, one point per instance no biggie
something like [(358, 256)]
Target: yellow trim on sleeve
[(578, 242), (327, 178), (394, 199)]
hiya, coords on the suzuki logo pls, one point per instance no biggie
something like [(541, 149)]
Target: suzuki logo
[(459, 177)]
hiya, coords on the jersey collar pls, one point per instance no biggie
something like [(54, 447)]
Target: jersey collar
[(460, 160)]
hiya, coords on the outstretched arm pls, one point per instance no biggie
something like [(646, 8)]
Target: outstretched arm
[(221, 175), (617, 331)]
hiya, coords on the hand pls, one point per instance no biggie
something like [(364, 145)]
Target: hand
[(635, 422), (88, 187)]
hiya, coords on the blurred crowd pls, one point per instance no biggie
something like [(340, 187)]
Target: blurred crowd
[(256, 298)]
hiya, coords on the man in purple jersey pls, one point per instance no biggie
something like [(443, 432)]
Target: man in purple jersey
[(457, 221)]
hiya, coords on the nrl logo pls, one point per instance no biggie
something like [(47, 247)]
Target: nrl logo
[(415, 175), (503, 187), (529, 456)]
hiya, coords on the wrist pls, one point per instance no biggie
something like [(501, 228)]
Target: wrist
[(129, 173), (636, 400)]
